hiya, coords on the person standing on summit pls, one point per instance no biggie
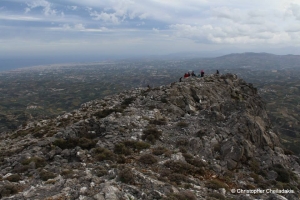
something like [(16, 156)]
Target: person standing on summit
[(202, 73)]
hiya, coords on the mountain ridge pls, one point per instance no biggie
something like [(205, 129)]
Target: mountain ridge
[(196, 139)]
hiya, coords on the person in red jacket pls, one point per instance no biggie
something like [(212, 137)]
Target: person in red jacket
[(186, 75)]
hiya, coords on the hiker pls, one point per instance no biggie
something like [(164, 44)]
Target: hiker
[(180, 79), (202, 73), (217, 72), (193, 74), (186, 75)]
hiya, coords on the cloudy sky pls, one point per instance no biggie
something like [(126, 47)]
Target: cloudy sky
[(146, 27)]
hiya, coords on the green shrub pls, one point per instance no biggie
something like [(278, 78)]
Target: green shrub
[(137, 145), (182, 195), (127, 101), (101, 154), (183, 168), (7, 190), (151, 134), (100, 171), (216, 184), (182, 124), (106, 112), (159, 150), (39, 162), (161, 121), (71, 143), (177, 178), (14, 178), (120, 148), (45, 175), (128, 146), (67, 173), (85, 143), (194, 161), (126, 176), (148, 159)]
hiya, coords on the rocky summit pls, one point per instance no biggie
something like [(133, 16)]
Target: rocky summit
[(202, 138)]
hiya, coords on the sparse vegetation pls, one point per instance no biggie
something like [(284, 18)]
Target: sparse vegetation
[(183, 168), (216, 184), (7, 190), (101, 154), (161, 121), (182, 195), (45, 175), (126, 176), (182, 124), (39, 162), (129, 146), (159, 150), (14, 178), (71, 143), (151, 135), (148, 159)]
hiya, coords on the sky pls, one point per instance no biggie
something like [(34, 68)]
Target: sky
[(83, 28)]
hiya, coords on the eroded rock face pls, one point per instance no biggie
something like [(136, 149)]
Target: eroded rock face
[(195, 139)]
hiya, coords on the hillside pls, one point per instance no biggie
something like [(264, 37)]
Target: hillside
[(203, 138)]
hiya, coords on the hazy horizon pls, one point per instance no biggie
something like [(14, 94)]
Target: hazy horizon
[(73, 30)]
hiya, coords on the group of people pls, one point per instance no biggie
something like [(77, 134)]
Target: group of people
[(188, 74)]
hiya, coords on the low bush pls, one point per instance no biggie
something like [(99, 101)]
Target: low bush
[(126, 176), (159, 150), (151, 134), (182, 195), (127, 147), (148, 159), (161, 121), (100, 171), (182, 124), (101, 154), (13, 178), (45, 175), (7, 190), (71, 143), (216, 184), (39, 162), (67, 173), (194, 161), (183, 168), (104, 113), (177, 178)]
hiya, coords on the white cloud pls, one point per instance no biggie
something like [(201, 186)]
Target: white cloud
[(47, 7), (106, 17)]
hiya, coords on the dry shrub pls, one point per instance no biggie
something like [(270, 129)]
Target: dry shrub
[(148, 159), (159, 150), (182, 195), (101, 154), (151, 134), (45, 175), (126, 176)]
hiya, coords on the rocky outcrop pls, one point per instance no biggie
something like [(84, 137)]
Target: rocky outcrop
[(202, 138)]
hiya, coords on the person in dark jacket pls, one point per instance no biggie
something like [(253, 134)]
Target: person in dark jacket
[(193, 74), (202, 73), (217, 72)]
